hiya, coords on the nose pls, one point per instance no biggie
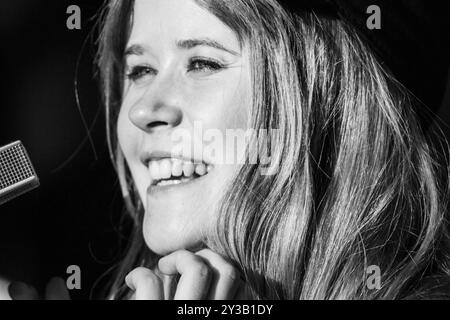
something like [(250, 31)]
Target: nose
[(158, 109)]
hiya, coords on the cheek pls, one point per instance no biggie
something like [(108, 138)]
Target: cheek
[(128, 140), (224, 104), (125, 133), (238, 104), (230, 114)]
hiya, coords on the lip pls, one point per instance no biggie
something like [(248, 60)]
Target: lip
[(152, 189), (146, 157)]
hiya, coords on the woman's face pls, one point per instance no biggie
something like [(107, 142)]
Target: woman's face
[(185, 69)]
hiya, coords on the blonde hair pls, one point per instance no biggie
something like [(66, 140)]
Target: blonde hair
[(358, 183)]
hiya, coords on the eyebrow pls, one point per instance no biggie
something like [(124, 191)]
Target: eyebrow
[(135, 49), (191, 43), (187, 44)]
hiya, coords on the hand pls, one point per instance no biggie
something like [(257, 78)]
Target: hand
[(55, 290), (203, 275)]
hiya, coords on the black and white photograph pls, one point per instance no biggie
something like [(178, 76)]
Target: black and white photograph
[(247, 151)]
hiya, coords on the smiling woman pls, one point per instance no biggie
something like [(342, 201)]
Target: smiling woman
[(173, 77), (356, 183)]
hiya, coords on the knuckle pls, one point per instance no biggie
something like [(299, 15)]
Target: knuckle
[(204, 252), (143, 274), (183, 252), (140, 270), (203, 270), (152, 278)]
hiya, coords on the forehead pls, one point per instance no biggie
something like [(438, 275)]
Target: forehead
[(159, 21)]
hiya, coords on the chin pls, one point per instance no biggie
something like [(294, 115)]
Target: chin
[(163, 241)]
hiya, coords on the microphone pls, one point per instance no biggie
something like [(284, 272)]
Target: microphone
[(17, 175)]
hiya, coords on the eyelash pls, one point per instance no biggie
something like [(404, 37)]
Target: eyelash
[(210, 65), (139, 71)]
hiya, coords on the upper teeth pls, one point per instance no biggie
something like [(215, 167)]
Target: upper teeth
[(167, 168)]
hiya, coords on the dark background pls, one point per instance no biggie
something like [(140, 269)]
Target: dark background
[(74, 216)]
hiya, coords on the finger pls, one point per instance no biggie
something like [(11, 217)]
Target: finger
[(146, 284), (226, 278), (195, 274), (169, 284), (170, 287), (56, 289), (22, 291)]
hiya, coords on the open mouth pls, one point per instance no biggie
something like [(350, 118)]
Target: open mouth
[(172, 171)]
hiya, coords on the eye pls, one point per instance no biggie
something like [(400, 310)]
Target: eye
[(139, 72), (204, 65)]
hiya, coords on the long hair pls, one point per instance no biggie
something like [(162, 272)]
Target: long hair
[(359, 183)]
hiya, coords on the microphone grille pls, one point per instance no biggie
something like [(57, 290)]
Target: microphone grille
[(17, 174)]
